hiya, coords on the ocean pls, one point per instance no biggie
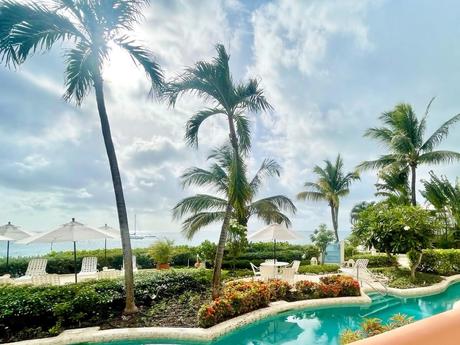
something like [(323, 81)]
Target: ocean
[(32, 250)]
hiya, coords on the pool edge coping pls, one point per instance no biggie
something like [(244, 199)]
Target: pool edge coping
[(95, 334)]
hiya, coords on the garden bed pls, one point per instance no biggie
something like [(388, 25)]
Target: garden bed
[(400, 278)]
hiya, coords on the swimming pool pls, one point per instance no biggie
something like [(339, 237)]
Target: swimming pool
[(323, 326)]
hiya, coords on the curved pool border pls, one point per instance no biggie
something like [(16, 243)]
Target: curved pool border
[(94, 334)]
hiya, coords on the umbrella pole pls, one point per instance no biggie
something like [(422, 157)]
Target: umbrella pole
[(7, 254), (75, 259), (105, 251)]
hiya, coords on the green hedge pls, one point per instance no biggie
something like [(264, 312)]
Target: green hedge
[(52, 308), (439, 261), (319, 269), (378, 260)]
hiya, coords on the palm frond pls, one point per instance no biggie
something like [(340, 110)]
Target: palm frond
[(143, 57), (440, 134), (312, 196), (243, 130), (281, 202), (80, 72), (198, 203), (250, 96), (382, 162), (268, 168), (382, 134), (196, 222), (193, 125), (438, 157), (201, 177), (31, 27)]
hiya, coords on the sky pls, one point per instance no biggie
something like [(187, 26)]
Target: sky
[(328, 67)]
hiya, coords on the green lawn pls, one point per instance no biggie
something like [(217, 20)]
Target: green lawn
[(400, 277)]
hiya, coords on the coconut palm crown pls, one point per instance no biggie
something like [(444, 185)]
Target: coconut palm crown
[(203, 209), (404, 134), (332, 184), (88, 28)]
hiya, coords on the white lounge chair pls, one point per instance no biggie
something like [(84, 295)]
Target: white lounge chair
[(88, 267), (36, 267), (356, 267), (295, 265), (287, 274), (108, 274), (47, 279), (255, 270), (134, 264)]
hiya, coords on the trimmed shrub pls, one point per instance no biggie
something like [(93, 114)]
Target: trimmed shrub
[(378, 260), (346, 286), (306, 289), (51, 308), (237, 298), (278, 289), (319, 269), (439, 261)]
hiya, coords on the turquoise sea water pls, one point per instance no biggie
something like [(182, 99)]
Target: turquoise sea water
[(323, 326)]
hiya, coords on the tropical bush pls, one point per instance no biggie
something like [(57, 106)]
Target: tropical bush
[(162, 251), (439, 261), (48, 309), (237, 298), (329, 286), (377, 260), (279, 289), (374, 326)]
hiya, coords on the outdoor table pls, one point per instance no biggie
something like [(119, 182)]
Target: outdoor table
[(275, 265)]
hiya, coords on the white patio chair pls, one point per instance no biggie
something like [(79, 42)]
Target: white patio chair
[(268, 272), (313, 261), (47, 279), (88, 266), (295, 265), (360, 264), (255, 270), (134, 264), (36, 267), (287, 274)]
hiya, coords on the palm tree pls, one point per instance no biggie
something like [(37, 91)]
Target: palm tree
[(404, 135), (213, 82), (445, 198), (332, 184), (87, 28), (203, 209), (394, 186), (357, 209)]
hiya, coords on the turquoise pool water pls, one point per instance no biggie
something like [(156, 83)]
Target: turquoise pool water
[(323, 326)]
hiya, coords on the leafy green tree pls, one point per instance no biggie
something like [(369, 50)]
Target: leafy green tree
[(404, 136), (332, 184), (203, 209), (445, 198), (207, 250), (87, 28), (212, 81), (396, 229), (321, 238), (237, 240)]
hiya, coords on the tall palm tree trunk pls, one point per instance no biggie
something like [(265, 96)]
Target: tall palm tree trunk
[(334, 221), (216, 277), (413, 181), (130, 306)]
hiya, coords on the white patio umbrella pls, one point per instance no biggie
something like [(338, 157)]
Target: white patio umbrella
[(69, 232), (14, 233), (272, 233), (114, 234)]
